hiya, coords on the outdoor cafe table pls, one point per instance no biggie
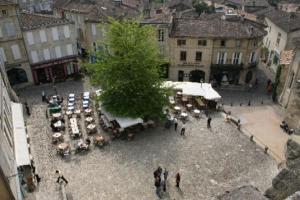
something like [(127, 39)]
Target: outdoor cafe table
[(184, 115), (71, 108), (91, 126), (179, 93), (63, 146), (88, 110), (71, 95), (71, 104), (72, 99), (74, 126), (57, 136), (189, 106), (68, 112), (77, 112), (177, 108), (58, 124), (89, 119), (196, 113), (172, 102), (56, 115)]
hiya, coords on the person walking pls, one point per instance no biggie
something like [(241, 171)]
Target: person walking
[(60, 176), (43, 96), (166, 173), (157, 185), (175, 123), (27, 109), (177, 179), (182, 132), (208, 122)]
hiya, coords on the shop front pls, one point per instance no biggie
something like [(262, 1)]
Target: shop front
[(55, 70), (227, 74)]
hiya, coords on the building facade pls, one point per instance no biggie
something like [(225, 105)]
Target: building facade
[(9, 180), (51, 46), (12, 46), (289, 5), (213, 48), (282, 28), (36, 6)]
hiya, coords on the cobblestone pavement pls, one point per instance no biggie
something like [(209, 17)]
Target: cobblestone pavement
[(210, 162)]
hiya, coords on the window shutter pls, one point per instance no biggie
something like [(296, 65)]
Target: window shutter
[(69, 50), (2, 54), (67, 31), (1, 33), (240, 58), (55, 33), (232, 59), (58, 52), (225, 57), (10, 29), (218, 56), (94, 30), (43, 36), (46, 54), (30, 39), (16, 51), (34, 56)]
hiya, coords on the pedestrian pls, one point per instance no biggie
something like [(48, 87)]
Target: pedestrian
[(43, 96), (55, 90), (182, 132), (177, 179), (27, 109), (47, 113), (175, 123), (159, 169), (166, 174), (208, 122), (164, 185), (60, 176), (38, 178), (157, 185)]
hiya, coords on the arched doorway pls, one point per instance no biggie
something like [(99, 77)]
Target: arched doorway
[(197, 76), (249, 76), (17, 76)]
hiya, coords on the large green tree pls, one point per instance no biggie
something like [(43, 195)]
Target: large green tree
[(128, 71), (202, 7)]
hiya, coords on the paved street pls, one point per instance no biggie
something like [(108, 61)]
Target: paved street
[(210, 162)]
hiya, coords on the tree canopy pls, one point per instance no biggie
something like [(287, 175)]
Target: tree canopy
[(128, 71), (202, 7)]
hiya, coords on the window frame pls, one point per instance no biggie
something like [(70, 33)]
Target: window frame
[(197, 56), (183, 56), (181, 42)]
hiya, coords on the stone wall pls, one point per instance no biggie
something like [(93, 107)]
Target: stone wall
[(287, 181)]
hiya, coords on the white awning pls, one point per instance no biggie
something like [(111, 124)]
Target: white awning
[(195, 89), (20, 138), (124, 122)]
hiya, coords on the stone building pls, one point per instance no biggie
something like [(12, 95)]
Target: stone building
[(36, 6), (289, 5), (9, 179), (90, 18), (51, 46), (12, 48), (282, 28), (249, 6), (212, 47), (290, 97)]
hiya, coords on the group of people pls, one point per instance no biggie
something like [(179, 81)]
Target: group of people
[(160, 178), (182, 131)]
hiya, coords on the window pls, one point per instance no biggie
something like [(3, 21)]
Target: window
[(221, 58), (55, 33), (34, 56), (198, 56), (158, 11), (236, 58), (58, 52), (70, 68), (201, 42), (223, 43), (10, 29), (94, 29), (16, 51), (183, 55), (46, 54), (180, 42), (2, 54), (4, 12), (1, 33), (292, 79), (69, 50), (161, 35), (67, 32), (238, 43), (43, 36), (278, 39), (30, 39), (252, 57)]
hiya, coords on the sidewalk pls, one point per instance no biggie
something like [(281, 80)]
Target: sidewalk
[(263, 123)]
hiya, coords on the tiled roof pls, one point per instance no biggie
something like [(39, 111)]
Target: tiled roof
[(255, 3), (290, 1), (163, 18), (34, 21), (7, 2), (289, 22), (214, 28)]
